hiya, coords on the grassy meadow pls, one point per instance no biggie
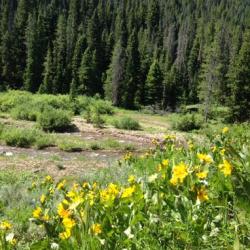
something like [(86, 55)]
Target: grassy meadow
[(81, 174)]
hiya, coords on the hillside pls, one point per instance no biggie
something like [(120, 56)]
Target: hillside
[(134, 53)]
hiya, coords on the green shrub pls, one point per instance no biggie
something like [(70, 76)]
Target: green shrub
[(188, 122), (17, 137), (220, 113), (70, 146), (127, 123), (102, 107), (43, 141), (25, 138), (97, 120), (25, 112), (54, 120), (93, 116), (95, 146)]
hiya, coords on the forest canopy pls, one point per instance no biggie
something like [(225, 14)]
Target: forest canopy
[(151, 52)]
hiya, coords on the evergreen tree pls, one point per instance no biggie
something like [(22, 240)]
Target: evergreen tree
[(172, 89), (76, 62), (210, 81), (116, 76), (60, 84), (87, 73), (154, 84), (48, 75), (240, 104), (19, 42), (31, 76), (132, 91)]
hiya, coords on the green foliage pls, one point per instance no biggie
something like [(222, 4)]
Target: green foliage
[(93, 115), (188, 122), (86, 47), (69, 146), (174, 197), (25, 138), (54, 120), (240, 104), (127, 123), (154, 84), (102, 107), (25, 112), (95, 109)]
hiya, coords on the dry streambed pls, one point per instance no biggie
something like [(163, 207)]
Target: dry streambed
[(59, 163)]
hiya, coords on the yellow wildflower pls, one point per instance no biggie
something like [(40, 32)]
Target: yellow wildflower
[(179, 173), (5, 225), (42, 198), (96, 229), (165, 163), (128, 192), (159, 167), (37, 213), (225, 130), (202, 194), (169, 137), (48, 178), (202, 175), (61, 185), (62, 212), (128, 156), (226, 168), (68, 223), (65, 235), (65, 202), (51, 190), (85, 185), (222, 152), (174, 180), (109, 194), (155, 141), (131, 179), (91, 197), (214, 148), (71, 194), (205, 158), (95, 185), (45, 217)]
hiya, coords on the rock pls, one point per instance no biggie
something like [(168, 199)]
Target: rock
[(9, 154)]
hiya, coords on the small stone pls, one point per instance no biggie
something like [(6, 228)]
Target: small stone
[(9, 154)]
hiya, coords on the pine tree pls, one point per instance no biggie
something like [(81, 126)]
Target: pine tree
[(87, 73), (209, 86), (76, 62), (116, 76), (19, 42), (31, 76), (131, 94), (7, 53), (48, 75), (60, 84), (96, 46), (172, 88), (154, 84), (240, 104)]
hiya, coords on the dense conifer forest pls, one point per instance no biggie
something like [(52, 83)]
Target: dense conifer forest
[(161, 53)]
